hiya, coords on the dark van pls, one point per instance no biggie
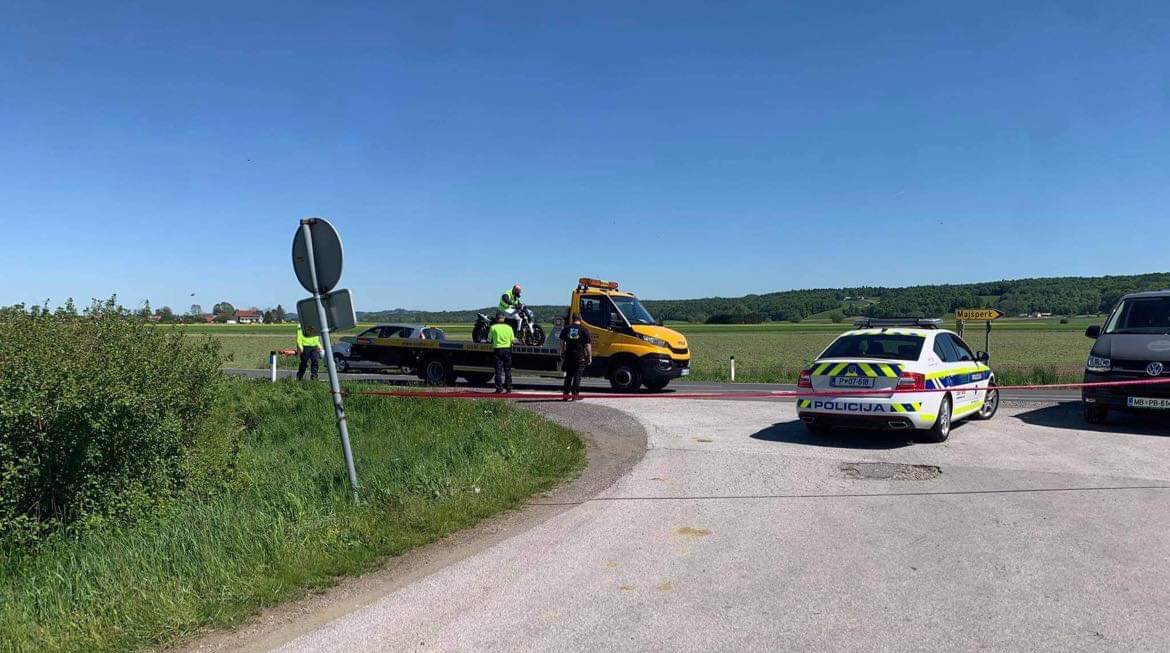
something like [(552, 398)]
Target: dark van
[(1134, 344)]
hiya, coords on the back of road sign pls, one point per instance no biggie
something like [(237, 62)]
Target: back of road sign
[(338, 311), (326, 253)]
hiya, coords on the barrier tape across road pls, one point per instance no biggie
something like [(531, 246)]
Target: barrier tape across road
[(772, 394)]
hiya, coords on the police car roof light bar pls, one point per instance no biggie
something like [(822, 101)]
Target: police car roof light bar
[(878, 322), (586, 282)]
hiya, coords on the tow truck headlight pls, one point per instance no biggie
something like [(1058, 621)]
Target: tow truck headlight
[(1098, 364), (657, 342)]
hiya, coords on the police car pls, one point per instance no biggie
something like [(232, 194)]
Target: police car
[(896, 360)]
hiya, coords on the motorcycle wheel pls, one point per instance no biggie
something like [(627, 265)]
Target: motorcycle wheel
[(536, 337), (480, 332)]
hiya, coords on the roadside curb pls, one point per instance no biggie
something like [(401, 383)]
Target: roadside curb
[(614, 443)]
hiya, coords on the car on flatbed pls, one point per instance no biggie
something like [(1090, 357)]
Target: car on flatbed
[(348, 360), (1133, 345), (897, 374)]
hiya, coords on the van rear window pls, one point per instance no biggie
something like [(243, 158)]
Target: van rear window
[(876, 345)]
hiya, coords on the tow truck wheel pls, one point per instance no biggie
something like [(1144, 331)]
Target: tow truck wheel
[(1096, 414), (436, 372), (657, 386), (625, 376), (942, 425), (478, 378)]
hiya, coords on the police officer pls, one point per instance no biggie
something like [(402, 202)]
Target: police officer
[(307, 349), (501, 337), (577, 350)]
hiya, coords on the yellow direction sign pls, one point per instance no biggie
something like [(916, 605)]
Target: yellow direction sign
[(977, 314)]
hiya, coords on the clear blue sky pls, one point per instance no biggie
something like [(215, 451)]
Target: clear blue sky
[(162, 149)]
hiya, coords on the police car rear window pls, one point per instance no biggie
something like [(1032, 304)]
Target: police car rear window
[(876, 345)]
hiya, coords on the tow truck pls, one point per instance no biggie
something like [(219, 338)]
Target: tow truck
[(630, 348)]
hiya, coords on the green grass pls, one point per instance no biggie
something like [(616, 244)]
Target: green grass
[(280, 521), (1023, 350)]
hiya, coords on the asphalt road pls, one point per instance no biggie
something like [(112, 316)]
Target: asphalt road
[(544, 384), (738, 531)]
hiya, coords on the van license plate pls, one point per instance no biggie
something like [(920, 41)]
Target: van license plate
[(852, 382), (1147, 402)]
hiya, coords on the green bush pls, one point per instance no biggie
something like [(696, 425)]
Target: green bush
[(99, 414)]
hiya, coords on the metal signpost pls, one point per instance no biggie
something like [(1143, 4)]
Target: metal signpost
[(316, 254), (988, 315)]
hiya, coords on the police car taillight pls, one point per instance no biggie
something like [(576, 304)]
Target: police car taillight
[(910, 381), (805, 379)]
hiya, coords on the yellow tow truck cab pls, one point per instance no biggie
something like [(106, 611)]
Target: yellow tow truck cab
[(630, 347)]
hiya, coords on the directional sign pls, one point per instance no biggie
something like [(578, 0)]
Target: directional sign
[(338, 312), (326, 252), (977, 314)]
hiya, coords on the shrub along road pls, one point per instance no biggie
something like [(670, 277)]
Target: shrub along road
[(739, 531)]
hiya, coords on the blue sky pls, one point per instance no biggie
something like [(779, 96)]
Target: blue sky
[(686, 149)]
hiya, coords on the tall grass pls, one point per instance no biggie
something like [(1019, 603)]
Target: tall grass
[(278, 519)]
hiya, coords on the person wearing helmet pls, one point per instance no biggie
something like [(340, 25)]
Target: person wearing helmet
[(509, 302)]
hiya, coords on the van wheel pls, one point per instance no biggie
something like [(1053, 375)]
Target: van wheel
[(657, 386), (436, 372), (990, 403), (942, 425), (625, 376), (1096, 414)]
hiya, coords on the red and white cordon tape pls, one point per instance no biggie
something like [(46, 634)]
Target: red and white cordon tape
[(772, 394)]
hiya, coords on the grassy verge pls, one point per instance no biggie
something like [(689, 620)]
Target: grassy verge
[(279, 521)]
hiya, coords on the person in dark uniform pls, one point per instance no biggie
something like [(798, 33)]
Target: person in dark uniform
[(577, 350)]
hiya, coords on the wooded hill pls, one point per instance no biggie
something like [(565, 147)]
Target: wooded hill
[(1057, 295)]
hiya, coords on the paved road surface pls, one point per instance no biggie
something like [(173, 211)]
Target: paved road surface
[(740, 532), (542, 384)]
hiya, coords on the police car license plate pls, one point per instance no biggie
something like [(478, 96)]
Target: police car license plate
[(852, 382), (1147, 402)]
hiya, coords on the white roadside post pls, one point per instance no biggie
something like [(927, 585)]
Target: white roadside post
[(272, 362), (733, 369), (305, 264)]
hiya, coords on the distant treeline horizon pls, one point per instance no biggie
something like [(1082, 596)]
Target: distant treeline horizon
[(1056, 295)]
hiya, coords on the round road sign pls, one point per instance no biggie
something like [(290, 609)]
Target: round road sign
[(326, 255)]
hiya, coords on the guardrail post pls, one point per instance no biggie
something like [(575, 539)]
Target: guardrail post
[(733, 369), (272, 363)]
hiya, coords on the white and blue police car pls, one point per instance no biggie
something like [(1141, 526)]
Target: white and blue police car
[(899, 361)]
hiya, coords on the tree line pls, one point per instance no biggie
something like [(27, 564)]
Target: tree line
[(1057, 295)]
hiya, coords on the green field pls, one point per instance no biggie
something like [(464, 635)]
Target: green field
[(278, 520), (1022, 350)]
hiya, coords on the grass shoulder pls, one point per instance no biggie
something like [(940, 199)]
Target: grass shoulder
[(268, 518)]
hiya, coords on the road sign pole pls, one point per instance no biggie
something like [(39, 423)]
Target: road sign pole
[(959, 328), (987, 338), (334, 384)]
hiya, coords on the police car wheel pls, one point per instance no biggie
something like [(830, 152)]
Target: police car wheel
[(942, 425), (990, 403)]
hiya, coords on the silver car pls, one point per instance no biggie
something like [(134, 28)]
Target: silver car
[(347, 361)]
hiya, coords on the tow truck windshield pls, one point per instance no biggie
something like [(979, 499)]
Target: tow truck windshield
[(876, 345), (634, 311), (1149, 315)]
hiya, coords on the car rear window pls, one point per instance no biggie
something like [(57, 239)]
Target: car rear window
[(876, 345)]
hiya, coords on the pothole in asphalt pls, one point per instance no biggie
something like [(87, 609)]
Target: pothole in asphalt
[(889, 471)]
